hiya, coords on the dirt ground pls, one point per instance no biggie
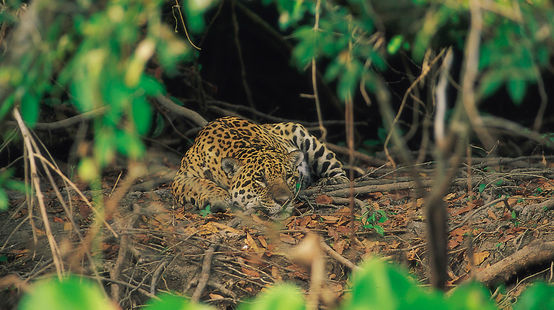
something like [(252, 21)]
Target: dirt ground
[(501, 232)]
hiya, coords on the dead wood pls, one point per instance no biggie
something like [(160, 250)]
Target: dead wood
[(205, 273), (528, 211), (179, 110), (536, 252)]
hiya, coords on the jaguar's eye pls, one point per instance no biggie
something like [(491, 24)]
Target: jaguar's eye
[(261, 180)]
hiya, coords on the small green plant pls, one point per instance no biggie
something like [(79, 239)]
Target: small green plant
[(206, 211), (371, 220)]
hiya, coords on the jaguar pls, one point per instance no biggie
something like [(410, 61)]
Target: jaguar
[(236, 163)]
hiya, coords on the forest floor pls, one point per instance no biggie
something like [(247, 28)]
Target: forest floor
[(501, 232)]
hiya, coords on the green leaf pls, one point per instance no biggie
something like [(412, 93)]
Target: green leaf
[(142, 115), (379, 285), (537, 296), (173, 302), (29, 109), (481, 187), (204, 212), (349, 79), (3, 200), (470, 296), (490, 83), (395, 44), (282, 296), (68, 294), (151, 86), (516, 89)]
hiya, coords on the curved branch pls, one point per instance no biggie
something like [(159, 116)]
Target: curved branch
[(187, 113)]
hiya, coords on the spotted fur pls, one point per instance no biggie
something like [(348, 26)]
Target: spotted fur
[(236, 163)]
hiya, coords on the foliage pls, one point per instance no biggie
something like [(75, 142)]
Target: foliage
[(517, 39), (100, 54), (377, 285), (372, 218), (6, 182), (71, 293)]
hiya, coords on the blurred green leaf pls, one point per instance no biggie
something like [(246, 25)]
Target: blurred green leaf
[(516, 89), (173, 302), (29, 109), (470, 296), (537, 296), (482, 187), (142, 115), (88, 171), (151, 86), (395, 44), (3, 200), (71, 293), (279, 297), (379, 285)]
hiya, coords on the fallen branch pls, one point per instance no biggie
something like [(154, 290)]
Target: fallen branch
[(205, 273), (341, 259), (534, 253), (527, 211), (177, 109), (345, 192)]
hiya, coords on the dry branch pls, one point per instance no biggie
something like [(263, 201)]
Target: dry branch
[(56, 254), (534, 253), (205, 273), (179, 110)]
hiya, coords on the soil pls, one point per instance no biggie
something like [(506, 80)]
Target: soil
[(501, 232)]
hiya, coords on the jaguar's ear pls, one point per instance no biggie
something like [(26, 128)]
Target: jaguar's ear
[(296, 158), (230, 166)]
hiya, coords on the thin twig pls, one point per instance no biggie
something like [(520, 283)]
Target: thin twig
[(205, 273), (314, 78), (471, 63), (56, 255)]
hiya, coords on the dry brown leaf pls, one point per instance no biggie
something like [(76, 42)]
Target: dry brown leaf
[(250, 272), (227, 228), (263, 242), (67, 226), (179, 216), (251, 243), (275, 273), (342, 212), (460, 231), (287, 239), (371, 246), (506, 238), (376, 195), (419, 202), (332, 233), (449, 196), (323, 199), (207, 229), (339, 246), (452, 243), (413, 254), (479, 257), (329, 219), (491, 214), (215, 296), (512, 201)]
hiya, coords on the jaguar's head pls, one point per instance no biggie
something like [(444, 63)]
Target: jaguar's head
[(265, 179)]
